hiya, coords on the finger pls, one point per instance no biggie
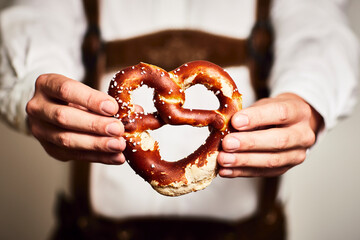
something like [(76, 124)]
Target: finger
[(71, 91), (272, 139), (75, 140), (78, 107), (262, 159), (269, 113), (78, 120), (139, 108), (82, 155), (252, 172)]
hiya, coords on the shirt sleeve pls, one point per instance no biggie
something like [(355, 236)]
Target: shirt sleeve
[(317, 56), (36, 38)]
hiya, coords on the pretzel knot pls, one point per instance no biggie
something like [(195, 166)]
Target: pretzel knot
[(196, 171)]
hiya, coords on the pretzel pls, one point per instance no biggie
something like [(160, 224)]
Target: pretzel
[(196, 171)]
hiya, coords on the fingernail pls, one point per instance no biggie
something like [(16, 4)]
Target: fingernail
[(226, 172), (113, 129), (231, 143), (108, 107), (240, 120), (114, 145), (228, 159)]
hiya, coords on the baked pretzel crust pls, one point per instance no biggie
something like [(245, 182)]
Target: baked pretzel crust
[(196, 171)]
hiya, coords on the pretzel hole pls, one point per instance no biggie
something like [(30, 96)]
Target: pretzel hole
[(143, 96), (173, 140), (208, 100)]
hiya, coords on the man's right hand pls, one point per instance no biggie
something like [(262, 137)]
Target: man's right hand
[(73, 121)]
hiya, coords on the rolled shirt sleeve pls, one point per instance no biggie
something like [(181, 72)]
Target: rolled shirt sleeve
[(316, 56), (36, 38)]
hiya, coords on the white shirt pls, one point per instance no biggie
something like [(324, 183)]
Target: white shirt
[(316, 58)]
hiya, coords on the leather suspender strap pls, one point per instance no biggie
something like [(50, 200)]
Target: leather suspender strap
[(163, 48), (92, 13), (260, 49), (94, 63), (93, 60), (92, 48), (263, 10), (260, 60), (171, 48)]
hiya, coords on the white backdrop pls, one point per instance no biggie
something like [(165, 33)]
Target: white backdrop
[(323, 199)]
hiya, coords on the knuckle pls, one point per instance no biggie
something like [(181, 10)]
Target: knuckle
[(275, 160), (99, 146), (40, 80), (243, 161), (60, 117), (31, 107), (64, 90), (309, 138), (250, 143), (283, 111), (64, 140), (89, 101), (306, 110), (282, 142), (94, 126)]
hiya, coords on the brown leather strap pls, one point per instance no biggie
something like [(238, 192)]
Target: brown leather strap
[(260, 60), (260, 49), (263, 10), (92, 47), (93, 60), (170, 49), (92, 13)]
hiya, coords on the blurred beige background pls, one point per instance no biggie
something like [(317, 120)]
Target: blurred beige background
[(324, 192)]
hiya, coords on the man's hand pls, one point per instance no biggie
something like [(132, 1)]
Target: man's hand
[(73, 121), (273, 136)]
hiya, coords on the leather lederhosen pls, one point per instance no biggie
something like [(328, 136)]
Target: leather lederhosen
[(76, 220)]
